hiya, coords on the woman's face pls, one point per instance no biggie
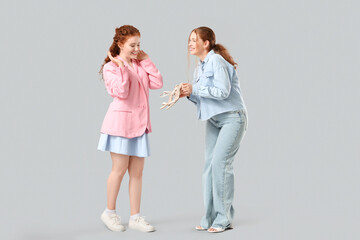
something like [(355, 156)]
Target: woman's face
[(196, 45), (131, 47)]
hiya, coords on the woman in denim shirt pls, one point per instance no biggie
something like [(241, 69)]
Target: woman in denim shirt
[(217, 96)]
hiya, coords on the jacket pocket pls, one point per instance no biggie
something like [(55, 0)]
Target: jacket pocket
[(207, 79), (118, 110), (122, 119), (208, 74)]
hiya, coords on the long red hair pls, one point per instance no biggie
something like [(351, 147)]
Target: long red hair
[(121, 36)]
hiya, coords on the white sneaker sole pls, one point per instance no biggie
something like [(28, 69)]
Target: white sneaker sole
[(113, 229), (141, 229)]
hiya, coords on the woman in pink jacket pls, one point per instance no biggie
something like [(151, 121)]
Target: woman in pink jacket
[(128, 74)]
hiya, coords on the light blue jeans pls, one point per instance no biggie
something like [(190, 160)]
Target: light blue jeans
[(223, 136)]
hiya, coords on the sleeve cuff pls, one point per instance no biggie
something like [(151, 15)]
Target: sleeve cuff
[(192, 98), (145, 62), (195, 89)]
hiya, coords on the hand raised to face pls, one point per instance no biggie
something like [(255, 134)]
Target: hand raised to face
[(142, 55), (116, 60)]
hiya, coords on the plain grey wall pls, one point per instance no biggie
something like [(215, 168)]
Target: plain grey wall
[(297, 172)]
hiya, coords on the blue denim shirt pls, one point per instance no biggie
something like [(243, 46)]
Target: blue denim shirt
[(216, 87)]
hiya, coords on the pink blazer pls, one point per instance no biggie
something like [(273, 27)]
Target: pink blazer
[(128, 115)]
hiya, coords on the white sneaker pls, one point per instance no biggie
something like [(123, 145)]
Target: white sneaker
[(112, 221), (141, 225)]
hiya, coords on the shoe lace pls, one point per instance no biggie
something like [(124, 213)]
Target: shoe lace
[(142, 220), (115, 218)]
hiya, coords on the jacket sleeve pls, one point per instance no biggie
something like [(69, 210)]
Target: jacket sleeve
[(193, 98), (155, 78), (221, 85), (117, 81)]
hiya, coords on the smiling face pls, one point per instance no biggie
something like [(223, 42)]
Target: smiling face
[(131, 47), (196, 45)]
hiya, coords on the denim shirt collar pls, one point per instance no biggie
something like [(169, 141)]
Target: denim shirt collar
[(201, 65), (206, 59)]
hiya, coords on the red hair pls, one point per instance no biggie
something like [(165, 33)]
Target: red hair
[(122, 34)]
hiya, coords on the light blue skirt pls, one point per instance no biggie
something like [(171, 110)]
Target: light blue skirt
[(138, 146)]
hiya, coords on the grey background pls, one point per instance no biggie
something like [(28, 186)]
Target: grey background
[(297, 172)]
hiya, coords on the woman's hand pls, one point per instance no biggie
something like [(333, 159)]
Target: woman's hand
[(116, 60), (186, 90), (142, 55)]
